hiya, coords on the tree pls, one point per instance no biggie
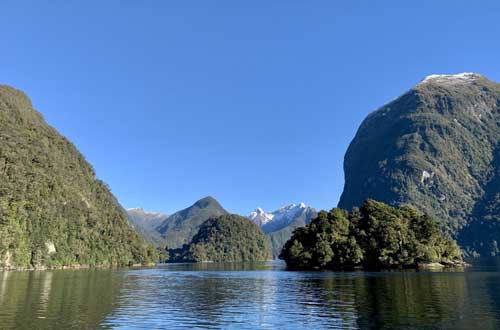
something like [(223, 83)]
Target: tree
[(373, 236)]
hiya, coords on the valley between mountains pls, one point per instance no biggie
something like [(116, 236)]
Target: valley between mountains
[(178, 229)]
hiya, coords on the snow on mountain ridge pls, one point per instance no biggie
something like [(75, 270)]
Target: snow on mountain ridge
[(451, 78), (260, 217), (283, 215)]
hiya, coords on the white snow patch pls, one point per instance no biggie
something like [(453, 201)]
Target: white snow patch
[(451, 78), (260, 217), (283, 216)]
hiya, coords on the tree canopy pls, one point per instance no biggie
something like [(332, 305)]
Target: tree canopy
[(375, 236), (228, 238)]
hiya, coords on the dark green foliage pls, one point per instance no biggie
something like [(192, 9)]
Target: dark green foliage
[(435, 147), (53, 211), (228, 238), (278, 237), (376, 236), (163, 254), (179, 228)]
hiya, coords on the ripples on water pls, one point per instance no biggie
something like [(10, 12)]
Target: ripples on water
[(258, 296)]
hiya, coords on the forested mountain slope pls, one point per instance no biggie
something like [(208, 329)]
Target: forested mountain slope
[(53, 210)]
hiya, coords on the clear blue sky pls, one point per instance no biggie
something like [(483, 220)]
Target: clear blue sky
[(253, 102)]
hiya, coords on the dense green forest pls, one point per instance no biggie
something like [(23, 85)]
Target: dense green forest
[(53, 210), (228, 238), (375, 236)]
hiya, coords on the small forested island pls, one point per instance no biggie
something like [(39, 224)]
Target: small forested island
[(227, 238), (375, 236)]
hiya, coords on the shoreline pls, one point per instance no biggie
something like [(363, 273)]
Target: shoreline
[(74, 267), (421, 266)]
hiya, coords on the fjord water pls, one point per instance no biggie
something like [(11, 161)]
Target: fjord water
[(243, 296)]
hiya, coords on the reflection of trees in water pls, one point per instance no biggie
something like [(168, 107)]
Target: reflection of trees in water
[(485, 286), (45, 288), (388, 300), (203, 298), (423, 300), (64, 299), (406, 300), (328, 300), (4, 276), (218, 266)]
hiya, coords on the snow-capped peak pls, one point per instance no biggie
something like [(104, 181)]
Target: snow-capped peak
[(260, 217), (289, 210), (283, 215), (259, 210), (452, 78)]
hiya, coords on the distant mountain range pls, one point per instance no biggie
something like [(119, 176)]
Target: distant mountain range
[(148, 220), (173, 231), (145, 224), (179, 228), (279, 225)]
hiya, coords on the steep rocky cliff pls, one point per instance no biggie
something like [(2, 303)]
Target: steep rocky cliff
[(435, 147)]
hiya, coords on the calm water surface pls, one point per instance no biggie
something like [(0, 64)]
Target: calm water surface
[(258, 296)]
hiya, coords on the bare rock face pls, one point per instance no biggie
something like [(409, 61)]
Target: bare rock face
[(7, 261), (436, 147), (51, 248)]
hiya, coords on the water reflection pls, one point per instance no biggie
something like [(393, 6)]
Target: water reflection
[(4, 276), (56, 299), (258, 296), (46, 286)]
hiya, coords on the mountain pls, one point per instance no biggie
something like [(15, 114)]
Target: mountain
[(148, 220), (260, 217), (280, 224), (53, 210), (145, 224), (436, 147), (179, 228), (228, 238)]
